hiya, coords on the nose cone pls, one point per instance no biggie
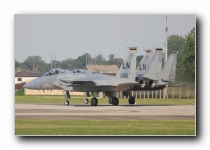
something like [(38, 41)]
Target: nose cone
[(29, 85)]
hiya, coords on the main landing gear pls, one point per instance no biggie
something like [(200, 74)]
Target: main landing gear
[(94, 101), (67, 97), (114, 101), (131, 100)]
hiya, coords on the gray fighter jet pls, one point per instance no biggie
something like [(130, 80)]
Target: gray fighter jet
[(150, 74), (87, 81)]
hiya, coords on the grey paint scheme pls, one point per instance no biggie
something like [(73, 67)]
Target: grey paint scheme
[(87, 81)]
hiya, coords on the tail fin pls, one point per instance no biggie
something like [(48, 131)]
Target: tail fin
[(169, 69), (128, 67), (143, 65), (154, 69)]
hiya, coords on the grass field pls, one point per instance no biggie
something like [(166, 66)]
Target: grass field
[(103, 127), (60, 100)]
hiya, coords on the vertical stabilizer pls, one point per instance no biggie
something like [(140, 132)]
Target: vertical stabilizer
[(169, 69), (128, 67), (143, 65), (154, 69)]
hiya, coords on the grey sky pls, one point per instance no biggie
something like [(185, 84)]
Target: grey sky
[(70, 36)]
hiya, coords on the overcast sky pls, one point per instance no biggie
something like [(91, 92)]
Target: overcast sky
[(70, 36)]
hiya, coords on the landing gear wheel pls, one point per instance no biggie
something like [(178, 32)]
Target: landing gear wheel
[(131, 100), (86, 101), (110, 100), (66, 102), (115, 101), (94, 101)]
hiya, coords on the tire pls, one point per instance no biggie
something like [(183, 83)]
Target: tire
[(94, 101), (115, 101), (131, 100), (110, 100), (86, 101), (66, 102)]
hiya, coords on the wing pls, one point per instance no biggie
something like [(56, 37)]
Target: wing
[(76, 82)]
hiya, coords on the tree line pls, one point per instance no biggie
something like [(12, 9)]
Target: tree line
[(186, 55), (185, 59), (37, 64)]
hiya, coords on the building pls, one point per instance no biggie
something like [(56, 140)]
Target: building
[(103, 69), (25, 76)]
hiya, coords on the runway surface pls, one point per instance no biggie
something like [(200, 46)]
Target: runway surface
[(104, 112)]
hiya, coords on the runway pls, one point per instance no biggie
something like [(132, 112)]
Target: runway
[(104, 112)]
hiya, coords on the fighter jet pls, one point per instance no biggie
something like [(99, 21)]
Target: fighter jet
[(87, 81), (150, 74), (150, 77)]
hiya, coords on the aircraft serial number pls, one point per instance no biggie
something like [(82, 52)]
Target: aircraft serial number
[(140, 75), (124, 75)]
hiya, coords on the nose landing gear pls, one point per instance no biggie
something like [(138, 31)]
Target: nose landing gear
[(67, 97)]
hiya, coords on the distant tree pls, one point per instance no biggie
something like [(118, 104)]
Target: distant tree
[(100, 60), (81, 61), (17, 65), (111, 59), (176, 43), (68, 63), (118, 62), (34, 61), (186, 56)]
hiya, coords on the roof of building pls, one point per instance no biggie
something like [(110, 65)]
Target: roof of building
[(105, 69), (26, 73)]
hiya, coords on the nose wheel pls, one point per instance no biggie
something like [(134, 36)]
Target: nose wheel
[(66, 102), (86, 101), (66, 96)]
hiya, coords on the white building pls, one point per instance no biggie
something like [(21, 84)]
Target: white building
[(26, 76)]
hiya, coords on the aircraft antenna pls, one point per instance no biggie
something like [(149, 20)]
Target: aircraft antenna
[(51, 60), (166, 40), (33, 62), (55, 60), (165, 90), (86, 59)]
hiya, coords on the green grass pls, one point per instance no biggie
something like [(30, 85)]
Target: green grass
[(103, 127), (99, 127), (73, 101), (20, 92)]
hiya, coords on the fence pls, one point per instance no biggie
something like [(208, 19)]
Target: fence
[(172, 92)]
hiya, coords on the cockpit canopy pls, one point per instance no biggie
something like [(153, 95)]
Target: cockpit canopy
[(79, 71), (55, 71), (59, 71)]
